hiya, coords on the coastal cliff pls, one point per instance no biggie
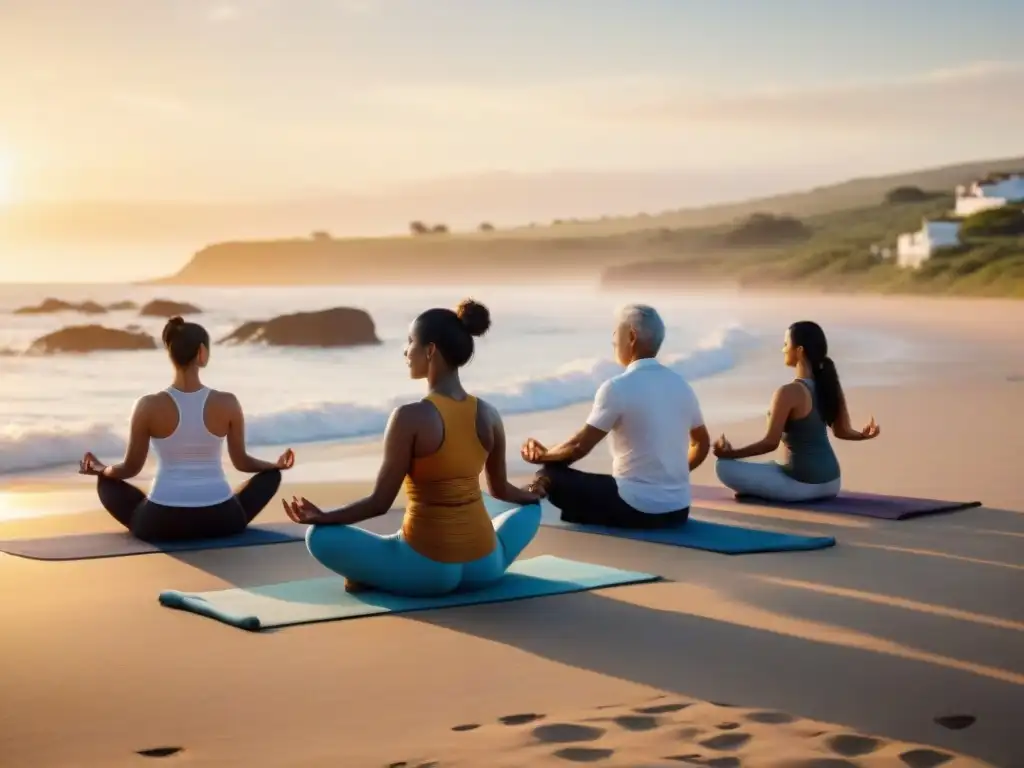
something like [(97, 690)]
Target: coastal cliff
[(318, 261)]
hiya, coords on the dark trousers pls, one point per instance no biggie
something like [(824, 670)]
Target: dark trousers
[(156, 522), (589, 499)]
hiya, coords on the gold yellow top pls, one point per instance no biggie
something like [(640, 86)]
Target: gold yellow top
[(445, 517)]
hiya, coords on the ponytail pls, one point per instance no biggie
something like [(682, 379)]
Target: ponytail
[(828, 389)]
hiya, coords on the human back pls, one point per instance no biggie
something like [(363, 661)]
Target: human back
[(445, 517), (188, 430), (808, 455), (650, 440)]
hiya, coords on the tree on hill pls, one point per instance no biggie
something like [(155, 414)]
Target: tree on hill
[(1007, 221), (320, 236), (907, 194), (486, 227), (762, 229), (417, 228)]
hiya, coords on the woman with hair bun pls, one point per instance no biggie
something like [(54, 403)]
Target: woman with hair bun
[(187, 425), (800, 414), (438, 446)]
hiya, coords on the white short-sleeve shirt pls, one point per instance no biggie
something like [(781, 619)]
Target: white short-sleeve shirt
[(649, 411)]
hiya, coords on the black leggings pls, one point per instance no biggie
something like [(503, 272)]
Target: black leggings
[(589, 499), (150, 521)]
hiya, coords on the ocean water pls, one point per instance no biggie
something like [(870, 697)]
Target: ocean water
[(547, 348)]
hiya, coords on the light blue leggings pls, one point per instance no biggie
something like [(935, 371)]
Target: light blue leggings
[(389, 564), (766, 480)]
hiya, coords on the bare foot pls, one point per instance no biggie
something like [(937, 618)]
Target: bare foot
[(355, 586)]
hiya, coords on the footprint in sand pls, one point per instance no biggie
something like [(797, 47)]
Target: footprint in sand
[(661, 709), (925, 758), (727, 726), (523, 719), (852, 745), (159, 751), (820, 762), (466, 727), (567, 733), (636, 722), (583, 754), (689, 733), (726, 741), (771, 718), (956, 722)]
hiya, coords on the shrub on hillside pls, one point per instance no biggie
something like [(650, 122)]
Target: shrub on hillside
[(486, 227), (762, 229), (907, 194), (996, 222)]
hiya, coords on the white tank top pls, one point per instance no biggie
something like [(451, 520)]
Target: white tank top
[(189, 471)]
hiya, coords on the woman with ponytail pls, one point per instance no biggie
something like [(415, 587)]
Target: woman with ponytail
[(438, 447), (800, 414), (187, 424)]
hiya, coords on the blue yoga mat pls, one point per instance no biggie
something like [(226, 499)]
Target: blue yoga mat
[(325, 599), (88, 546), (695, 534)]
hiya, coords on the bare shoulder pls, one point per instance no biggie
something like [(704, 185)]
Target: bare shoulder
[(791, 389), (411, 415), (225, 400), (146, 403), (487, 412)]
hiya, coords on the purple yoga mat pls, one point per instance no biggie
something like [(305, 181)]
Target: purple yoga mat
[(846, 503)]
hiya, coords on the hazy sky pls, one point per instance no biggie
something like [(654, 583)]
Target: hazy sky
[(201, 99)]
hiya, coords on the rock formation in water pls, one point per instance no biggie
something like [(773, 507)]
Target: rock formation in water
[(52, 306), (168, 308), (79, 339), (338, 327)]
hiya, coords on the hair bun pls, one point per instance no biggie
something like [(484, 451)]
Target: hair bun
[(171, 328), (475, 317)]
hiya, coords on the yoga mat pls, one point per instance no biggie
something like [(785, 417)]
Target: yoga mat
[(325, 599), (710, 537), (695, 534), (846, 503), (88, 546)]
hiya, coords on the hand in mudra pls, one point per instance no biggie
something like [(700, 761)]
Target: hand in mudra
[(286, 461), (533, 451), (722, 447), (90, 465), (303, 511), (872, 430)]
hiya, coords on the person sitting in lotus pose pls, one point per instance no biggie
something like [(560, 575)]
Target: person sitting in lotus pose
[(439, 446), (657, 438), (800, 415), (187, 425)]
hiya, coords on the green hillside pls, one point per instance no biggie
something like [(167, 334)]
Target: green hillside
[(833, 237)]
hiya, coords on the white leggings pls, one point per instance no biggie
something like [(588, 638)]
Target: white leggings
[(768, 481)]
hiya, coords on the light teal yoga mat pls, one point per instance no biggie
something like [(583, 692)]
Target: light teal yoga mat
[(325, 599)]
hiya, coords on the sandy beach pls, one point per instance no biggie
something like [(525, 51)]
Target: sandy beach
[(900, 646)]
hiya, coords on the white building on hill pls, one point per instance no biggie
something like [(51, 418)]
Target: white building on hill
[(915, 248), (994, 191)]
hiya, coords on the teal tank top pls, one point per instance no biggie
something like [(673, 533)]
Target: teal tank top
[(809, 457)]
